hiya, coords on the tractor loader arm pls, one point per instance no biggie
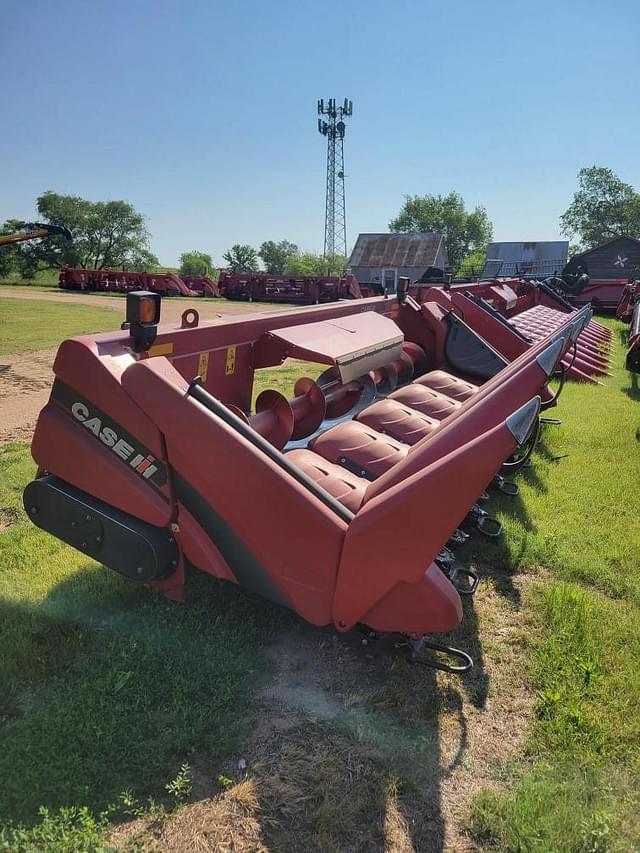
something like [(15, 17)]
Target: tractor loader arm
[(33, 232)]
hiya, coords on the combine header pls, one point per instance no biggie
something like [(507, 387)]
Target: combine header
[(299, 290), (602, 294), (513, 314), (340, 503), (124, 281)]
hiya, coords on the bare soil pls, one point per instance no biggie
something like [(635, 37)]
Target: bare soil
[(25, 378), (25, 382), (351, 748)]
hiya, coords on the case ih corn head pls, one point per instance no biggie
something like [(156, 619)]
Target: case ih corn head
[(340, 503), (299, 290), (124, 281), (513, 314)]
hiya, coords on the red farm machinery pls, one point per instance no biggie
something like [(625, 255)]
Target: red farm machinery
[(340, 503), (628, 310), (124, 281), (514, 314), (249, 287), (602, 294), (291, 289)]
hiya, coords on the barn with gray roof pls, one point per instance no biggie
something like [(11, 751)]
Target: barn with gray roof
[(379, 260)]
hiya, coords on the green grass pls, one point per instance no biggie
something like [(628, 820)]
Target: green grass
[(28, 325), (43, 279), (106, 687), (577, 518), (283, 379)]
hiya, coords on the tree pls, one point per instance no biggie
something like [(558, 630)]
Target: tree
[(105, 234), (241, 258), (309, 263), (603, 207), (9, 253), (464, 231), (275, 255), (195, 263), (471, 265)]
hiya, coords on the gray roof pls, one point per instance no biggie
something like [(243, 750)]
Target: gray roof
[(396, 250), (543, 257), (545, 250)]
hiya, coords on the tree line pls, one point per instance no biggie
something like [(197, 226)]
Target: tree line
[(114, 234)]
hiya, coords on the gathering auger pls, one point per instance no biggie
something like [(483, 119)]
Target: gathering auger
[(339, 503)]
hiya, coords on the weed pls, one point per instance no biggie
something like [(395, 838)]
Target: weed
[(181, 786)]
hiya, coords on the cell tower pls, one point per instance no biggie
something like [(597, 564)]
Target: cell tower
[(333, 127)]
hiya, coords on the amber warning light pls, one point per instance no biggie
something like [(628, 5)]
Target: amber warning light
[(143, 316)]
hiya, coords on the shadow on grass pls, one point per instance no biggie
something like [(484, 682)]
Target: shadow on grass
[(633, 390), (130, 684), (124, 686), (623, 334)]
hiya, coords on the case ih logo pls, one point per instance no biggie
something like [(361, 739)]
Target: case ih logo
[(113, 436), (140, 463)]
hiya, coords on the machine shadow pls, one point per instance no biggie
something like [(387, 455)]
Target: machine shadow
[(123, 678), (389, 747), (367, 774), (633, 390)]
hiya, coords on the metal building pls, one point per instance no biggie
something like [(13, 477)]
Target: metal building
[(378, 260), (542, 258), (618, 258)]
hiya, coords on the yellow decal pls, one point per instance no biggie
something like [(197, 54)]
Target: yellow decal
[(231, 361), (161, 349), (203, 366)]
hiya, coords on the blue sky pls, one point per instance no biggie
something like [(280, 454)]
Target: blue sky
[(202, 114)]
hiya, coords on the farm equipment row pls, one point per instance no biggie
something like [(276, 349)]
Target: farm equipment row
[(343, 503), (251, 287), (298, 290), (122, 281)]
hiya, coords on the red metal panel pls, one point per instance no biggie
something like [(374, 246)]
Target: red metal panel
[(422, 524), (290, 533), (355, 344)]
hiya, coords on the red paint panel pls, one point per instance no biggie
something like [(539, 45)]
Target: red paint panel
[(421, 511), (291, 534), (65, 448)]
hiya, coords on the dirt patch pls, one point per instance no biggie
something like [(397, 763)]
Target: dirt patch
[(25, 383), (8, 516), (26, 378), (354, 749)]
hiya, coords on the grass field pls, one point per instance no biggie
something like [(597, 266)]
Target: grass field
[(106, 690), (40, 324), (44, 279), (579, 785)]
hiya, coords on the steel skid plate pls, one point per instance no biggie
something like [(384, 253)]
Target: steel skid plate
[(126, 544)]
